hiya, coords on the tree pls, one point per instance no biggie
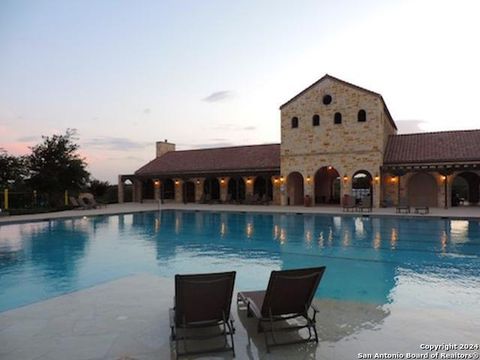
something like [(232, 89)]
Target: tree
[(98, 188), (12, 170), (56, 166)]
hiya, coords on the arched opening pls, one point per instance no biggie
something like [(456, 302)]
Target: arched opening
[(128, 190), (362, 187), (211, 188), (188, 192), (294, 122), (327, 186), (466, 189), (262, 188), (236, 189), (422, 190), (168, 189), (148, 189), (362, 116), (295, 189)]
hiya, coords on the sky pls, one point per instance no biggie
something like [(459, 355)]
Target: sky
[(126, 74)]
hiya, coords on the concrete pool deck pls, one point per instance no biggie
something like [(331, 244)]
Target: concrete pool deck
[(127, 319), (465, 212)]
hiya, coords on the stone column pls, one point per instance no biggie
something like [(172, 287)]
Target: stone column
[(283, 191), (276, 193), (120, 190), (223, 181), (156, 189), (137, 191), (249, 180), (309, 187), (178, 190), (345, 186), (376, 191), (198, 188)]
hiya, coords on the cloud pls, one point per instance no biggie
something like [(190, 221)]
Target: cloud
[(219, 96), (115, 143), (28, 138), (147, 111), (410, 126)]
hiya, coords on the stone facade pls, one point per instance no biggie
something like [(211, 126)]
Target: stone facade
[(348, 147), (320, 158)]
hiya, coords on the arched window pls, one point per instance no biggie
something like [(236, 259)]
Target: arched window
[(337, 119), (294, 122), (316, 120), (362, 116)]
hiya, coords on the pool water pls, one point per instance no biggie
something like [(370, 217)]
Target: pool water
[(375, 260)]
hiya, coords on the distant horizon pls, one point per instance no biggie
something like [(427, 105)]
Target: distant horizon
[(214, 74)]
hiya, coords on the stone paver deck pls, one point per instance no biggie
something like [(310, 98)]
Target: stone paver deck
[(456, 212), (128, 319)]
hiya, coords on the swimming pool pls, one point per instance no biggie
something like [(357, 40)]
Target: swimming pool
[(376, 260)]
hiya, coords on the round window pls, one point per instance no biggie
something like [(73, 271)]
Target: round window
[(327, 99)]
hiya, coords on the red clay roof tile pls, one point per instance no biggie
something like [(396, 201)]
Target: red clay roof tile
[(226, 159), (434, 147)]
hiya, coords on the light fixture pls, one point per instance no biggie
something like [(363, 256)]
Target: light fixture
[(156, 183), (275, 180), (198, 182), (443, 177), (222, 181), (308, 179), (330, 167), (177, 182), (345, 177), (281, 179), (393, 179), (249, 181), (377, 178)]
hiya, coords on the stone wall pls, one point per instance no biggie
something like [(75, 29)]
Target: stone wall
[(348, 147)]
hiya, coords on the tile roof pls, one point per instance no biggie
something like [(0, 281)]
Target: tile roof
[(434, 147), (227, 159)]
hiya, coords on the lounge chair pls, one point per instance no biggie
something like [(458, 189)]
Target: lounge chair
[(349, 203), (74, 202), (288, 296), (365, 204), (84, 203), (403, 207), (264, 200), (87, 201), (202, 301), (422, 208)]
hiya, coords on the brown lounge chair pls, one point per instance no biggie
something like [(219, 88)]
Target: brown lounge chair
[(289, 295), (403, 207), (202, 301), (349, 203)]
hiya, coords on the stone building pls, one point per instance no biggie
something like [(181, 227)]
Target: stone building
[(337, 140)]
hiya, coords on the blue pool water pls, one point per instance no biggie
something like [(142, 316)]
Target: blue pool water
[(376, 260)]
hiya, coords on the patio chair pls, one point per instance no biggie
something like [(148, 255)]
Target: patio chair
[(84, 202), (202, 301), (288, 296), (264, 200), (365, 204), (422, 207), (349, 203), (87, 200), (74, 202), (403, 207)]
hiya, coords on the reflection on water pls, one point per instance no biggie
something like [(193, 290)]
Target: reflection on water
[(372, 260)]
